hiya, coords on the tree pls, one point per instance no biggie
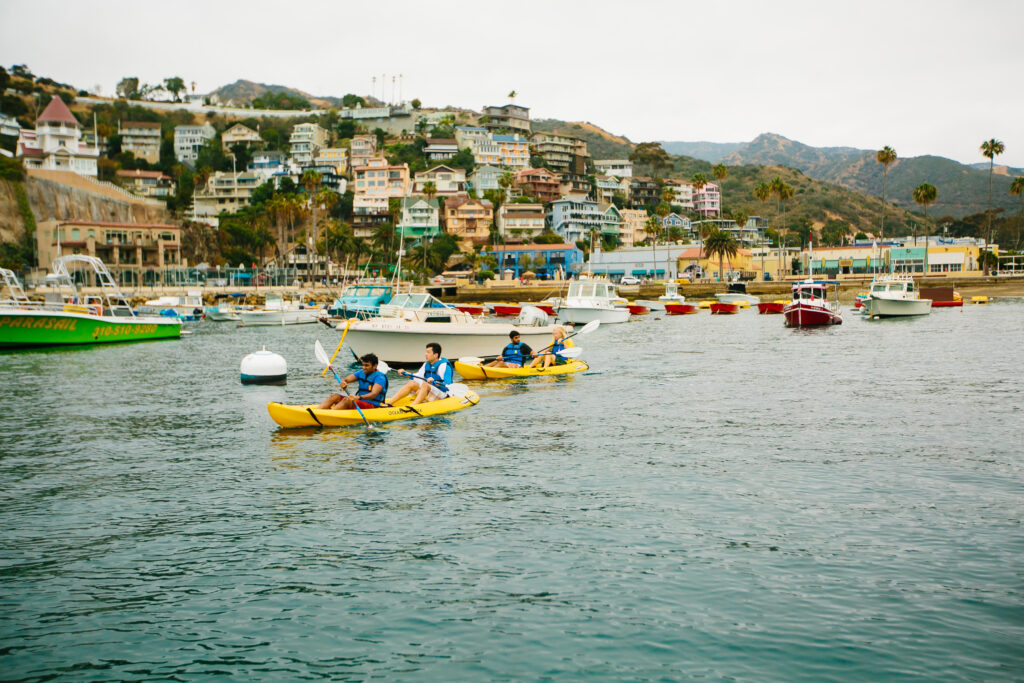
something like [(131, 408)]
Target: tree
[(351, 100), (175, 85), (722, 244), (720, 171), (416, 104), (990, 149), (650, 154), (884, 156), (506, 180), (924, 194), (429, 190), (1017, 188), (512, 95), (381, 135), (128, 88)]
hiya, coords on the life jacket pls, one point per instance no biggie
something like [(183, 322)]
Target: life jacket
[(430, 371), (555, 348), (513, 353), (366, 385)]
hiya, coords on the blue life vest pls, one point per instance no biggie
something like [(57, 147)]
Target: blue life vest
[(555, 348), (366, 385), (513, 353), (430, 371)]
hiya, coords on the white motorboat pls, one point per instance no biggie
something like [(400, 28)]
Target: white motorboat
[(188, 308), (406, 324), (278, 311), (223, 312), (737, 293), (671, 296), (589, 300), (895, 295)]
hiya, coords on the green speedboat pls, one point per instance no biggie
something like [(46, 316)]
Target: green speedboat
[(67, 318)]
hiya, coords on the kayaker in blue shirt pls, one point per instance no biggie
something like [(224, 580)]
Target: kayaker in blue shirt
[(430, 382), (550, 357), (514, 355), (372, 390)]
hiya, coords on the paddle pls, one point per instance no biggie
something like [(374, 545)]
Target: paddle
[(343, 335), (586, 329), (321, 355), (571, 352)]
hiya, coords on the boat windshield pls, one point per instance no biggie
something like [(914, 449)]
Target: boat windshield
[(812, 293), (416, 301)]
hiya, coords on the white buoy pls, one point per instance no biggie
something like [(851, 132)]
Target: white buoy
[(264, 367)]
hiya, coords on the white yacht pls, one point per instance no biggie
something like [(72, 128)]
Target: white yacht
[(188, 308), (895, 295), (406, 324), (589, 300), (737, 293), (671, 296), (278, 311)]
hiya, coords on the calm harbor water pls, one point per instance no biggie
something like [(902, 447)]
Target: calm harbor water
[(719, 497)]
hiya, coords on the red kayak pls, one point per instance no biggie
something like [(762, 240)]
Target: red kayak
[(944, 304), (637, 309), (724, 309), (681, 309), (507, 309), (770, 307), (471, 309)]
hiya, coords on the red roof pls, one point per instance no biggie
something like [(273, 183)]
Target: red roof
[(57, 112)]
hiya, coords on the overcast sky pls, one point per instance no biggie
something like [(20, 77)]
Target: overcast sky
[(925, 77)]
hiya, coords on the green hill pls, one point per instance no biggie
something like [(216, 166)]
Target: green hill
[(708, 151), (600, 143)]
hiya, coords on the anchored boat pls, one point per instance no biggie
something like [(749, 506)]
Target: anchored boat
[(737, 292), (589, 300), (277, 311), (65, 317), (894, 296), (810, 305)]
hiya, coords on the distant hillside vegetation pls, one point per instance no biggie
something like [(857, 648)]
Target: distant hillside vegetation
[(963, 190), (244, 92), (708, 151)]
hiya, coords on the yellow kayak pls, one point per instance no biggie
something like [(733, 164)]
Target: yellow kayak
[(477, 371), (311, 416)]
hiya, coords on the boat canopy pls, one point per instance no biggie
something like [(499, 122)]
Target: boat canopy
[(416, 301), (591, 288)]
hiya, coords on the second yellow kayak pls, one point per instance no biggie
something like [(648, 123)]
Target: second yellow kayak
[(477, 371)]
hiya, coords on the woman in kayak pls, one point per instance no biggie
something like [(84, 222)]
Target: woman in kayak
[(373, 388), (430, 382), (514, 354), (548, 357)]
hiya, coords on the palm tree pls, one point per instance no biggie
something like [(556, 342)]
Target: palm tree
[(990, 149), (720, 171), (506, 181), (699, 180), (884, 156), (722, 244), (429, 190), (653, 226), (1017, 188), (924, 194)]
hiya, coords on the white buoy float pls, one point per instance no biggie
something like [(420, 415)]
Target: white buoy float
[(264, 367)]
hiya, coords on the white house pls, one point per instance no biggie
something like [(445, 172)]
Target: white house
[(188, 140), (56, 143), (620, 168)]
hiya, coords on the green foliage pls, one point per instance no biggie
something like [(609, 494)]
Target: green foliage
[(5, 79), (20, 254), (351, 100), (11, 169), (346, 129), (212, 156), (280, 100), (463, 159), (130, 88), (547, 236), (175, 85), (408, 153), (834, 232), (416, 104), (381, 135), (651, 155), (485, 275), (12, 105)]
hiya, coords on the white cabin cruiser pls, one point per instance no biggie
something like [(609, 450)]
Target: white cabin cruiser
[(188, 308), (278, 311), (737, 293), (671, 296), (406, 324), (895, 295), (589, 300)]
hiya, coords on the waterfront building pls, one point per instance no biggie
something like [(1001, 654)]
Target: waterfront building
[(682, 194), (127, 249), (188, 140), (306, 141), (363, 148), (240, 134), (750, 235), (420, 217), (224, 191), (484, 178), (56, 143), (539, 183), (378, 178), (508, 117), (606, 187), (520, 221), (559, 151), (447, 181), (141, 138), (146, 183), (663, 262), (468, 220), (612, 225), (620, 168), (547, 261), (467, 136), (674, 220), (335, 157), (708, 200), (268, 163)]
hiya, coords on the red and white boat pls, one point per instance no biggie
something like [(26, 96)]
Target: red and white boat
[(506, 309), (766, 307), (721, 308), (637, 309), (811, 306), (681, 309), (472, 309)]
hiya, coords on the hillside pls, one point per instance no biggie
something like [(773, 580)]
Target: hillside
[(600, 143), (244, 92), (708, 151), (963, 190)]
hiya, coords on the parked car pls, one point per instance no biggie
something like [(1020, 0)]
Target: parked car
[(630, 281)]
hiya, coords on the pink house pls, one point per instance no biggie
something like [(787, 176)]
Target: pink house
[(708, 201)]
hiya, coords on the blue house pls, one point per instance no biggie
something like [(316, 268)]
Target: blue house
[(546, 260)]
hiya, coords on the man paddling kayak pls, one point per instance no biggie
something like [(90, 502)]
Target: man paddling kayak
[(373, 387), (550, 357), (430, 381), (514, 354)]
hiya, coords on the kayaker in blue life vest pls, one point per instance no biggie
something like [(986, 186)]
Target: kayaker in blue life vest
[(549, 357), (431, 381), (373, 388), (514, 354)]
